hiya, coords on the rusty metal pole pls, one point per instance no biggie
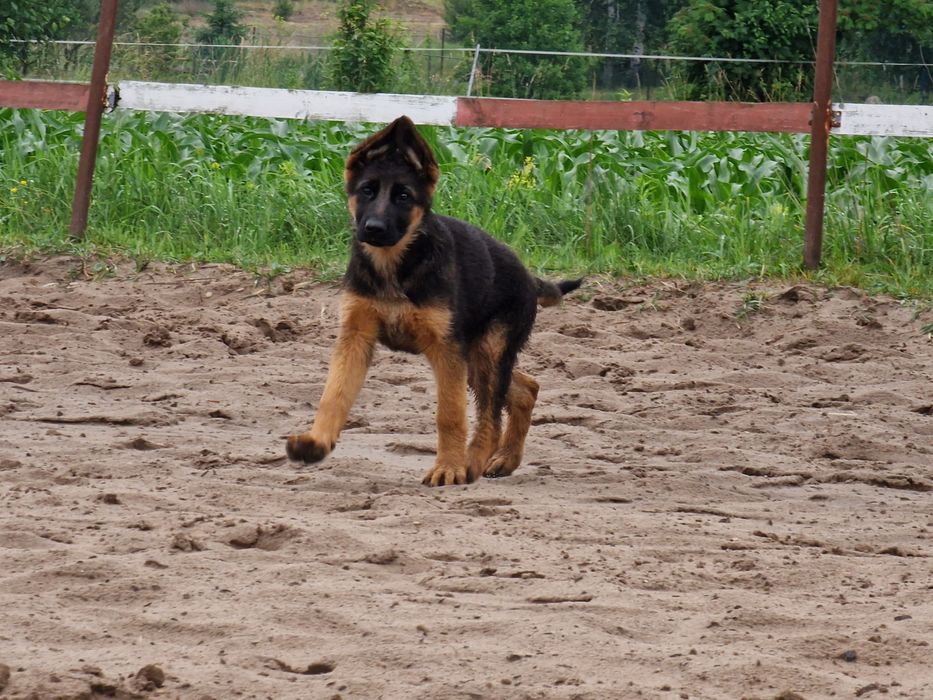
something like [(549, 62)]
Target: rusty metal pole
[(820, 124), (96, 101)]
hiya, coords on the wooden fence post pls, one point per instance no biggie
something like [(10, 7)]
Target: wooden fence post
[(97, 98), (820, 124)]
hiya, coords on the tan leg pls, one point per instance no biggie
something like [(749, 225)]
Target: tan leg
[(485, 439), (519, 402), (484, 359), (348, 365), (450, 372)]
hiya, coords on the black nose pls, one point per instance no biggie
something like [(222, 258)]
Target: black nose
[(374, 226)]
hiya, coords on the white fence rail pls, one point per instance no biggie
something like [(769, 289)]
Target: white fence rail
[(885, 120), (286, 104), (854, 119)]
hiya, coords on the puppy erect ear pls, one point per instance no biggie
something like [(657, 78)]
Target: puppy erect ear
[(400, 140)]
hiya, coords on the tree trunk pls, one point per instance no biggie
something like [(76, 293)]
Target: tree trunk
[(612, 17), (641, 22)]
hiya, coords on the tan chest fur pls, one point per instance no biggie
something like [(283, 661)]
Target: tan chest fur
[(404, 326)]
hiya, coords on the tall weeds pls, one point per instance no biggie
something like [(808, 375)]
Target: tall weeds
[(262, 192)]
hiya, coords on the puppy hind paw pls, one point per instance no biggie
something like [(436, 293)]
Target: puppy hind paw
[(502, 463), (304, 448)]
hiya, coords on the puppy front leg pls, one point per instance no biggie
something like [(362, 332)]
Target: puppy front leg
[(348, 365)]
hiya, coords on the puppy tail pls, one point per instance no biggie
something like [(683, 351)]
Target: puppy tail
[(550, 293)]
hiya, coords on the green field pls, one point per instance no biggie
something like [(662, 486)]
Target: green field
[(267, 194)]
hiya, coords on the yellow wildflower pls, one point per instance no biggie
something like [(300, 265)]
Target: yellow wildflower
[(14, 190), (215, 165), (525, 177)]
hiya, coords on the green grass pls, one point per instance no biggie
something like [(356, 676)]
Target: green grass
[(268, 194)]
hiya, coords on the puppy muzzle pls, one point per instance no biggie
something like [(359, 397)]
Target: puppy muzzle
[(376, 232)]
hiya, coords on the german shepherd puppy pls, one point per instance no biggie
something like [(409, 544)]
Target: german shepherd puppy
[(425, 283)]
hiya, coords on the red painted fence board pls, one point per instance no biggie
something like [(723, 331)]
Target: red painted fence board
[(793, 117), (37, 94)]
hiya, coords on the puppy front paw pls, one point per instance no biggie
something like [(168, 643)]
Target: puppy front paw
[(304, 448), (446, 475)]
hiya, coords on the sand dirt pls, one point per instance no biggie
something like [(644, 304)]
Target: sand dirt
[(721, 498)]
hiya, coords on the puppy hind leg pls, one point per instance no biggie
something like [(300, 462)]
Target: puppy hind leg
[(482, 379), (519, 402)]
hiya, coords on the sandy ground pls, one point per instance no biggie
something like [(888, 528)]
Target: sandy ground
[(714, 504)]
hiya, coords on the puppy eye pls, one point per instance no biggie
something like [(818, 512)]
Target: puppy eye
[(403, 197), (368, 191)]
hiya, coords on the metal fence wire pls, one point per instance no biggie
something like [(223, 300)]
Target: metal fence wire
[(493, 72)]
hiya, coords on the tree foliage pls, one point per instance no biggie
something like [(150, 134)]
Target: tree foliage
[(893, 30), (161, 26), (85, 16), (784, 30), (45, 20), (283, 10), (30, 21), (548, 25), (223, 25), (363, 49), (626, 26)]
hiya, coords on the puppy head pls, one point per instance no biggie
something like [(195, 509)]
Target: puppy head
[(398, 143), (390, 179)]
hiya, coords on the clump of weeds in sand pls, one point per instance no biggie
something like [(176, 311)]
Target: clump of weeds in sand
[(266, 276), (141, 263), (92, 267), (752, 303)]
